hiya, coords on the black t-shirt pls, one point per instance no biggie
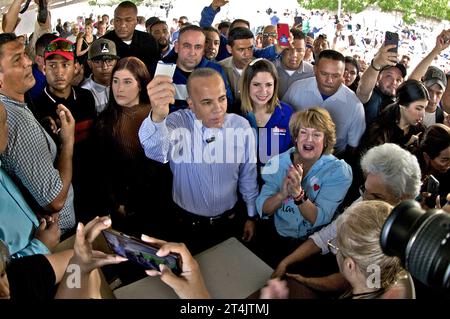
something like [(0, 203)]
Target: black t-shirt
[(143, 46), (81, 104), (31, 278), (377, 103)]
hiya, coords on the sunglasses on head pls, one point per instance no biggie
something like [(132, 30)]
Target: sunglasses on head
[(60, 45)]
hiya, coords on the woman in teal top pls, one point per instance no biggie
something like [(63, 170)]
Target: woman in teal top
[(303, 186), (261, 107)]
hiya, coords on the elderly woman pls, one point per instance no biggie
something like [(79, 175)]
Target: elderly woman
[(434, 159), (359, 254), (261, 107), (303, 186), (401, 122)]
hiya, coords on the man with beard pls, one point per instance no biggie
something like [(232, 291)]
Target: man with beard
[(160, 31), (379, 83)]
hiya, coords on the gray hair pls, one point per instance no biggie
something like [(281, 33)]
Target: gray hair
[(398, 169)]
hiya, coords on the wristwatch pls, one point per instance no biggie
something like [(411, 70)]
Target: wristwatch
[(371, 64)]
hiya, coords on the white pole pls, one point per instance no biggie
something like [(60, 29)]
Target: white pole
[(339, 9)]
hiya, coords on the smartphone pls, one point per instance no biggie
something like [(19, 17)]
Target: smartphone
[(433, 189), (283, 34), (298, 20), (391, 38), (140, 252), (165, 69), (349, 27)]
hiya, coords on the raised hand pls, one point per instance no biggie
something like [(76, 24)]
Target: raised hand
[(161, 93)]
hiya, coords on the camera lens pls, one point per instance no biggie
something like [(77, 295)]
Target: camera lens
[(421, 240)]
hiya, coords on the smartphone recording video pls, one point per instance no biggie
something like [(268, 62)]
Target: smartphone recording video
[(140, 252), (283, 34), (391, 38), (433, 189)]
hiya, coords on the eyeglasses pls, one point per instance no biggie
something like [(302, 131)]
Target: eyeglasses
[(99, 63), (269, 34), (332, 246), (61, 46)]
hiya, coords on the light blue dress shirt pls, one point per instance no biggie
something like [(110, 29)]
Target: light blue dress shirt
[(326, 185), (18, 222), (208, 165)]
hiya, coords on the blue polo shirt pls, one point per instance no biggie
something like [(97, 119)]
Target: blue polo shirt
[(275, 132)]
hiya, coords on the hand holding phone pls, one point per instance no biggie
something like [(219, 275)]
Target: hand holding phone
[(190, 284), (391, 38), (433, 189), (283, 34), (140, 252)]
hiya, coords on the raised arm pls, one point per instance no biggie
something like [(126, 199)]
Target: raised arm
[(442, 43), (209, 13), (370, 76)]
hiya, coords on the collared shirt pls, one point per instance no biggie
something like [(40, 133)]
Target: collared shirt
[(345, 109), (207, 164), (274, 134), (29, 159), (285, 79), (18, 223), (100, 93), (327, 233), (325, 185)]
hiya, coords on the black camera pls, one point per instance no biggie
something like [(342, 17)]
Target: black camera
[(421, 239)]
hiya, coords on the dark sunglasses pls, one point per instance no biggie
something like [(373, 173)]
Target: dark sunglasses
[(60, 45)]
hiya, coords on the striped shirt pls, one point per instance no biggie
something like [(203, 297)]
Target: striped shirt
[(29, 159), (208, 165)]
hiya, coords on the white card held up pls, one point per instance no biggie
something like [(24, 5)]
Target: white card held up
[(167, 69)]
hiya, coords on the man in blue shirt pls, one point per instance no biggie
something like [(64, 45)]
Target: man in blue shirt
[(211, 153)]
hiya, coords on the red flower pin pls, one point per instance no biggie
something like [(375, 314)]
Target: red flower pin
[(316, 187)]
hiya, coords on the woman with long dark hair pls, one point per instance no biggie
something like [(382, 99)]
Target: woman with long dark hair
[(135, 186), (434, 159), (401, 122)]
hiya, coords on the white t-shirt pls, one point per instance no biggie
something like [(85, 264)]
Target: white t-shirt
[(429, 119)]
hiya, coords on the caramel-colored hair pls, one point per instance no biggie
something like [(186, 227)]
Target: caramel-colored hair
[(319, 119), (250, 71)]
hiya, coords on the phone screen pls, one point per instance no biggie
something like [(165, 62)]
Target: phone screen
[(283, 34), (139, 252), (433, 189), (391, 38)]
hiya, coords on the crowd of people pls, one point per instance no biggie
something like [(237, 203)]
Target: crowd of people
[(296, 150)]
